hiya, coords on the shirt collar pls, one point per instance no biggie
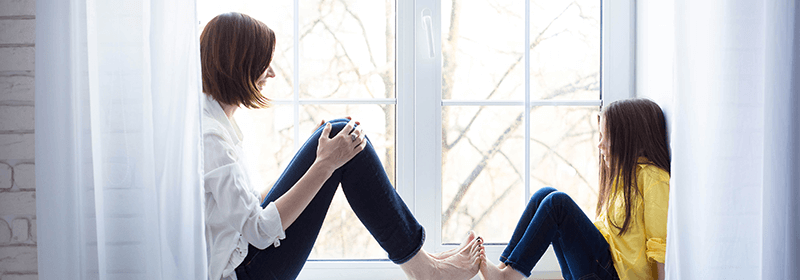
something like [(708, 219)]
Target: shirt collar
[(213, 109)]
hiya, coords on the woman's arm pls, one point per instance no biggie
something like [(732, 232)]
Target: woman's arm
[(332, 153), (661, 273)]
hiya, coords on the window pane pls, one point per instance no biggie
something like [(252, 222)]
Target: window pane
[(482, 172), (483, 49), (564, 152), (267, 143), (342, 234), (565, 49), (278, 15), (347, 49)]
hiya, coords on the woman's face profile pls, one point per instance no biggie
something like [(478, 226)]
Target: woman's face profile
[(262, 80), (604, 143)]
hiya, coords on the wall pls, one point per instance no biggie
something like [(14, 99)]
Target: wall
[(17, 182), (655, 53)]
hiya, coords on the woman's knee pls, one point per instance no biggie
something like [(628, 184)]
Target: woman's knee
[(336, 126)]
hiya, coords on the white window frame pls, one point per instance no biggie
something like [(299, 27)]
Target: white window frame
[(418, 127)]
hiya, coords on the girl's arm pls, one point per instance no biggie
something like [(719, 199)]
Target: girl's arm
[(661, 273), (332, 153)]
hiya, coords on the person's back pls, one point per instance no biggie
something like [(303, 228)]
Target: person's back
[(644, 242)]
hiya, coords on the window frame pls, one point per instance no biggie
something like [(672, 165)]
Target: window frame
[(418, 143)]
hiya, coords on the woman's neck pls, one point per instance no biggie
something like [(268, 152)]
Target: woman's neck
[(229, 109)]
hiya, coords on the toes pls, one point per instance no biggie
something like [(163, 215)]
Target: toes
[(470, 237), (474, 246)]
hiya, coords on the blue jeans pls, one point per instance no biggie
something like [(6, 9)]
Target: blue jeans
[(370, 195), (551, 217)]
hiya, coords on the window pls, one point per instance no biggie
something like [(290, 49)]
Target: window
[(442, 88)]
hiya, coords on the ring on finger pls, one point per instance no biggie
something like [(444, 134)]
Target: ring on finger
[(353, 137)]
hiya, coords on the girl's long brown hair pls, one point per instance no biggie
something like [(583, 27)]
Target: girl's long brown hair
[(636, 128)]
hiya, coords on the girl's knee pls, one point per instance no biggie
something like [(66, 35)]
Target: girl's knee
[(541, 194), (546, 190), (557, 198)]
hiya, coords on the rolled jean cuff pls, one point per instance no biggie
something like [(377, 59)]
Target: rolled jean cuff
[(414, 252), (515, 266)]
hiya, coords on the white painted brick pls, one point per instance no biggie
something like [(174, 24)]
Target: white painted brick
[(16, 146), (17, 31), (18, 259), (5, 232), (33, 230), (17, 7), (17, 89), (5, 176), (24, 176), (20, 277), (16, 118), (17, 59), (18, 203), (19, 230)]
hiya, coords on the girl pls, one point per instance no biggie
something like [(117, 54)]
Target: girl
[(269, 236), (628, 240)]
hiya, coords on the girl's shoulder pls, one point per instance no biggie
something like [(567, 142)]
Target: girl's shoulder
[(648, 172)]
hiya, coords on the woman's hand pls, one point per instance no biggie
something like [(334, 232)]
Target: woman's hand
[(334, 152)]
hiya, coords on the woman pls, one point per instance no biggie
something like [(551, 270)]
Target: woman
[(628, 240), (250, 237)]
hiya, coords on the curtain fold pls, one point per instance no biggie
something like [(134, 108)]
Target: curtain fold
[(781, 213), (734, 189), (118, 150)]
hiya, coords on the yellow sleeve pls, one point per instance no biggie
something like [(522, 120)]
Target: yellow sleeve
[(656, 201)]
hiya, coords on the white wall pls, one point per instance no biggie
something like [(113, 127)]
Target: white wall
[(17, 182), (655, 53)]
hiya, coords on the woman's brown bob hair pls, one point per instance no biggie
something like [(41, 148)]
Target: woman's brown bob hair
[(636, 128), (235, 49)]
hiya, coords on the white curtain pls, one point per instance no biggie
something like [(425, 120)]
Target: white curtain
[(118, 150), (734, 198)]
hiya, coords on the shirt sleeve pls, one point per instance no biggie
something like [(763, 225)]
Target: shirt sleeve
[(230, 189), (656, 201)]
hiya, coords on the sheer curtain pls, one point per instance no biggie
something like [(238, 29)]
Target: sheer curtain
[(118, 150), (734, 195)]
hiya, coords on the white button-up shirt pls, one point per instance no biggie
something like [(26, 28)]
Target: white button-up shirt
[(234, 216)]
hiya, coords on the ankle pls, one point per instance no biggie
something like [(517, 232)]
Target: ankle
[(419, 265)]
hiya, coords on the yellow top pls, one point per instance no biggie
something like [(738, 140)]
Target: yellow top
[(636, 252)]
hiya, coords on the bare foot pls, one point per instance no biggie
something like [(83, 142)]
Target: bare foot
[(501, 272), (463, 264), (448, 253)]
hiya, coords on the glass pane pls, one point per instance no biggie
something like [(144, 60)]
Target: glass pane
[(482, 172), (565, 49), (483, 49), (267, 143), (564, 152), (278, 16), (342, 234), (347, 49)]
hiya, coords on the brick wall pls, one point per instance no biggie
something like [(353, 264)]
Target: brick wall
[(17, 181)]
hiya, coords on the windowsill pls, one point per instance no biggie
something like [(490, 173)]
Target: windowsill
[(547, 268)]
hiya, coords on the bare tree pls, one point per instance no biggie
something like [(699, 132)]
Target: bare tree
[(337, 20)]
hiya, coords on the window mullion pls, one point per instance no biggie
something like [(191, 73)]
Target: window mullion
[(404, 89), (527, 173), (296, 75), (428, 119)]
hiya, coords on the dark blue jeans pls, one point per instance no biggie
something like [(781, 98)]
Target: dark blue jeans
[(370, 195), (551, 217)]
